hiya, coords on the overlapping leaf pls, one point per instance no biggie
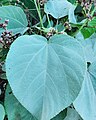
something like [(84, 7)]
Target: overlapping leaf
[(86, 101), (61, 115), (72, 1), (59, 9), (86, 106), (72, 114), (15, 111), (45, 75), (17, 19), (89, 46), (2, 112)]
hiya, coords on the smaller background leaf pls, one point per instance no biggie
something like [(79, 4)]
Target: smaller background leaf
[(72, 1), (2, 112), (61, 115), (17, 19), (57, 8), (86, 101), (14, 109), (72, 114), (87, 32)]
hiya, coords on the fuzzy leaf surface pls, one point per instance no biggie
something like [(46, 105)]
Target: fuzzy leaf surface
[(17, 19), (41, 73)]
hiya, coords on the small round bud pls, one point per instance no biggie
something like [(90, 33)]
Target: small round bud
[(6, 21)]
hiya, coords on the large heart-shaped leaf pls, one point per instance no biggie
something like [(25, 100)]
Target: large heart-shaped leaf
[(45, 75), (15, 111), (2, 112), (57, 8), (17, 19)]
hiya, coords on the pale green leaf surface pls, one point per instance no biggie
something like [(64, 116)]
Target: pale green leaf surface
[(17, 19), (71, 15), (14, 109), (41, 73), (89, 46), (92, 71), (2, 112), (86, 106), (60, 8), (85, 103)]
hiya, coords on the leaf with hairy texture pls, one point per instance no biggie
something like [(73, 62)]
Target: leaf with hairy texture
[(89, 46), (14, 109), (41, 73), (86, 101), (17, 19), (59, 9)]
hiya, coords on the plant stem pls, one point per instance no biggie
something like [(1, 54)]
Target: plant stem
[(85, 22), (39, 14), (48, 20)]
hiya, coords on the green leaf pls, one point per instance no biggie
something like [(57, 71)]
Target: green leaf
[(32, 10), (17, 19), (72, 114), (92, 23), (3, 76), (89, 46), (87, 32), (57, 8), (14, 109), (72, 1), (71, 15), (60, 116), (2, 112), (86, 105), (41, 73), (86, 101)]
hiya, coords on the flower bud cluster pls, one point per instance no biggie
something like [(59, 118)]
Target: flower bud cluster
[(6, 36), (87, 7), (41, 2), (67, 25), (4, 25), (50, 33)]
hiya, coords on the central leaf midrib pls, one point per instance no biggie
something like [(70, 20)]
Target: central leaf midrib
[(47, 46)]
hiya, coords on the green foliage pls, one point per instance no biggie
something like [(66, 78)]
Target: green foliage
[(2, 112), (59, 9), (45, 75), (88, 91), (72, 1), (18, 22), (87, 32), (48, 53), (88, 95), (72, 115), (61, 115), (14, 109)]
